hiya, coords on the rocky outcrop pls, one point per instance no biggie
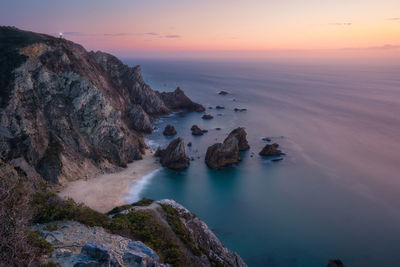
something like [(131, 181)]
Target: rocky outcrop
[(220, 107), (177, 100), (203, 238), (169, 130), (223, 92), (227, 153), (241, 135), (270, 150), (239, 109), (139, 120), (207, 117), (197, 131), (174, 156), (71, 113), (78, 245)]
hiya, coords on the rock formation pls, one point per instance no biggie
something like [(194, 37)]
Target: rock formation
[(207, 117), (197, 131), (227, 153), (223, 92), (219, 107), (174, 156), (177, 100), (192, 242), (169, 130), (271, 150), (239, 109), (71, 113), (80, 245)]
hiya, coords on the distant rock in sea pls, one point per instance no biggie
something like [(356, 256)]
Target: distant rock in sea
[(197, 131), (239, 109), (169, 130), (174, 156), (227, 153), (271, 150), (219, 107), (223, 92), (177, 100), (207, 117)]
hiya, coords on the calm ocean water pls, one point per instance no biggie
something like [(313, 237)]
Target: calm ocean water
[(337, 192)]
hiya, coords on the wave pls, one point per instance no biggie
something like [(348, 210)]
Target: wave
[(153, 145), (137, 187)]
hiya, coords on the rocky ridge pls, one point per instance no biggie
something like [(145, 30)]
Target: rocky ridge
[(70, 113)]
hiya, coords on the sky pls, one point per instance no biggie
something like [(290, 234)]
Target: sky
[(250, 28)]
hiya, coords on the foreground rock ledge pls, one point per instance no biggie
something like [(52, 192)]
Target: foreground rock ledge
[(79, 245), (227, 153)]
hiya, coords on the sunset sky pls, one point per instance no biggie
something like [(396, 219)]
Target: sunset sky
[(157, 27)]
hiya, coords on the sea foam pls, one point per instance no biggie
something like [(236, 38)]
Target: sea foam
[(137, 187)]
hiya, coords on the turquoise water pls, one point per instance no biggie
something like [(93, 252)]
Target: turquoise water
[(336, 193)]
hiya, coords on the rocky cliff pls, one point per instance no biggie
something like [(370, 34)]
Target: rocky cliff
[(70, 113)]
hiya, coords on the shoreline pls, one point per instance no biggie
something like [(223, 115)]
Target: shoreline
[(106, 191)]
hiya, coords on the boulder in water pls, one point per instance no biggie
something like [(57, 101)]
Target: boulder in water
[(169, 130), (174, 156), (270, 150), (227, 153)]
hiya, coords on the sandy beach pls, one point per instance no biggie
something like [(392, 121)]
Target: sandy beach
[(106, 191)]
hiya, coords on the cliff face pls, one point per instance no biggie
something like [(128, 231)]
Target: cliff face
[(71, 113)]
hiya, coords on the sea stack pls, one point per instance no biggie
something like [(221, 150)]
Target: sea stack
[(169, 130), (271, 150), (174, 156), (227, 153)]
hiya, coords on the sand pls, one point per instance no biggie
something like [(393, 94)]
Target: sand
[(106, 191)]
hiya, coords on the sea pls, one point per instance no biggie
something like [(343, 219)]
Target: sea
[(335, 194)]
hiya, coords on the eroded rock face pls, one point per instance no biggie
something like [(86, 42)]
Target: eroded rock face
[(270, 150), (177, 100), (174, 156), (241, 135), (71, 113), (169, 130), (227, 153)]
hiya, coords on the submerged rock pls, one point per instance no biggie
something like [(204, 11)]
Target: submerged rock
[(271, 150), (239, 109), (174, 156), (207, 117), (335, 263), (227, 153), (220, 107), (223, 92), (169, 130), (266, 139)]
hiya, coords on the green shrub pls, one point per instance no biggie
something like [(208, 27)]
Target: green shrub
[(142, 225), (175, 222), (49, 207), (142, 202), (42, 245)]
